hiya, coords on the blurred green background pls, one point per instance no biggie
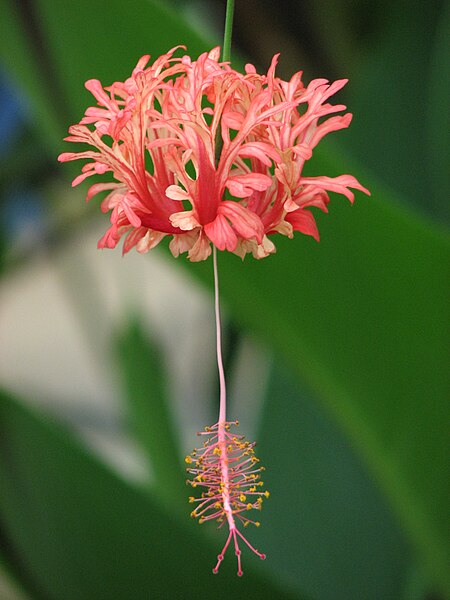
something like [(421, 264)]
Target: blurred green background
[(336, 354)]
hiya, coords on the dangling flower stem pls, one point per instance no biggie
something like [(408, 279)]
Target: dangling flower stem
[(226, 54), (223, 392)]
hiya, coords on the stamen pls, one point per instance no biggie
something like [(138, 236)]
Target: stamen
[(221, 468)]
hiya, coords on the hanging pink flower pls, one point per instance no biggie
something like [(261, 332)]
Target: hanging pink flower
[(206, 155)]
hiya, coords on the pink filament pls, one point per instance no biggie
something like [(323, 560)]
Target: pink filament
[(222, 441)]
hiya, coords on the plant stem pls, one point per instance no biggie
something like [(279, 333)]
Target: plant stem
[(226, 50), (223, 392), (226, 54)]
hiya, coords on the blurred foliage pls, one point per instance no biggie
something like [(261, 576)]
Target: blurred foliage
[(354, 428)]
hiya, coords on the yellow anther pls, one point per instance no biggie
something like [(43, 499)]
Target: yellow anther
[(246, 523), (217, 505), (193, 484), (242, 497), (217, 451), (191, 499), (260, 483), (260, 500), (199, 478), (236, 423), (230, 448), (193, 514), (253, 489), (201, 520), (188, 460), (249, 506), (257, 523), (266, 493)]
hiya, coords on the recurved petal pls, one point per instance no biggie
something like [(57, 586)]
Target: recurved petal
[(184, 220), (182, 242), (247, 224), (149, 241), (241, 186), (221, 234), (260, 150), (338, 184), (101, 187), (175, 192), (303, 221), (201, 249)]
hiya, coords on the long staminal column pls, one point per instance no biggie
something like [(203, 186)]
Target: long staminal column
[(226, 468)]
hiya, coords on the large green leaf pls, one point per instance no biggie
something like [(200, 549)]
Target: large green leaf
[(75, 41), (400, 128), (145, 379), (80, 532), (360, 320), (23, 63), (325, 513)]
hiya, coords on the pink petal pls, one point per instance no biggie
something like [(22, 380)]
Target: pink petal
[(303, 221), (82, 177), (337, 184), (232, 119), (331, 124), (110, 239), (312, 196), (184, 220), (182, 242), (246, 223), (127, 205), (201, 249), (100, 187), (175, 192), (303, 150), (260, 150), (221, 234), (96, 89), (133, 238), (149, 241), (242, 186)]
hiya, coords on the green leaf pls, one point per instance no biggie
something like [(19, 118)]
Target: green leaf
[(395, 98), (438, 114), (144, 377), (359, 318), (11, 586), (81, 532), (325, 513), (24, 66)]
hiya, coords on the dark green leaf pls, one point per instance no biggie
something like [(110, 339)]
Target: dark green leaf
[(149, 414), (81, 532), (325, 514), (360, 319)]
